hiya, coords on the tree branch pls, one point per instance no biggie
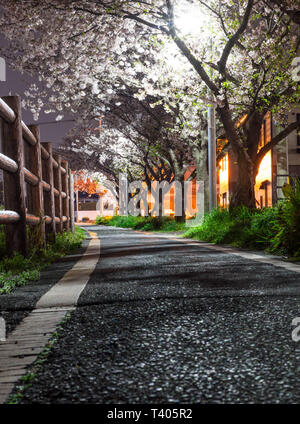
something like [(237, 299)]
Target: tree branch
[(234, 39), (186, 51)]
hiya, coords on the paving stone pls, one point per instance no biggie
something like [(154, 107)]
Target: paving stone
[(9, 379), (17, 371), (28, 339)]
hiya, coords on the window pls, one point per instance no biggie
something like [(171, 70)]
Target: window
[(224, 200), (262, 140)]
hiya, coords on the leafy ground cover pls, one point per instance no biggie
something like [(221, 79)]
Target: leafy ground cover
[(17, 270), (147, 223), (276, 229)]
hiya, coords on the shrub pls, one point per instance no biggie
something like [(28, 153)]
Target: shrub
[(263, 226), (274, 229), (241, 228), (287, 237), (147, 223), (16, 271), (215, 227), (103, 220)]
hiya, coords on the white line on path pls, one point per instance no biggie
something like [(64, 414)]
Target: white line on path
[(30, 337), (67, 291)]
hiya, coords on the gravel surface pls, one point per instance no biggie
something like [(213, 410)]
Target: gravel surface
[(188, 351), (134, 266), (162, 321)]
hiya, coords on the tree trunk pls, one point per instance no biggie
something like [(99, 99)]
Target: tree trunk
[(244, 194), (160, 202), (245, 151)]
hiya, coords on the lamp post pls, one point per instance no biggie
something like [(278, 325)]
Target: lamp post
[(77, 206), (212, 148), (126, 194), (190, 22), (2, 70)]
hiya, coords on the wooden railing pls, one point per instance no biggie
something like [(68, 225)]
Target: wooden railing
[(38, 185)]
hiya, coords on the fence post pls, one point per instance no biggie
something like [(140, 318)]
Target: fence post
[(65, 188), (35, 158), (49, 199), (58, 199), (71, 191), (14, 184)]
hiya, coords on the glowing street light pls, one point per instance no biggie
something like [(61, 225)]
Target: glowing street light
[(192, 21)]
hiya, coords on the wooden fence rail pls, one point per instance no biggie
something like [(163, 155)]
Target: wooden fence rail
[(38, 185)]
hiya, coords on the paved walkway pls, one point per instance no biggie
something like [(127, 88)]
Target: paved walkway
[(169, 320), (30, 337), (24, 345)]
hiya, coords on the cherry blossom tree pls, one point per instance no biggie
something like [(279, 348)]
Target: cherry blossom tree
[(289, 7), (241, 57), (139, 137), (248, 72), (87, 91)]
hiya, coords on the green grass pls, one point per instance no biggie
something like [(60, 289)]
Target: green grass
[(243, 228), (16, 271), (260, 229), (147, 223)]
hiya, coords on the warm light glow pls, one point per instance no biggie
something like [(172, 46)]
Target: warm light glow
[(265, 170), (191, 20), (264, 194), (241, 121), (224, 179)]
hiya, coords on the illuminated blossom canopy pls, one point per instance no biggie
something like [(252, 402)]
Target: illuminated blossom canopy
[(180, 53)]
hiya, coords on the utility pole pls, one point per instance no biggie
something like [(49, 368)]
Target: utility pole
[(2, 69), (77, 206), (212, 148), (126, 194), (77, 198)]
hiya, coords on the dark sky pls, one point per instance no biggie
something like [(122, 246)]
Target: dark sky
[(17, 83)]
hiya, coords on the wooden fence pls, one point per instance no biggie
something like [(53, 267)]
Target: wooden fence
[(38, 185)]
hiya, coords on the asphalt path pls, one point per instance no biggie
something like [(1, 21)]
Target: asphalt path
[(166, 321)]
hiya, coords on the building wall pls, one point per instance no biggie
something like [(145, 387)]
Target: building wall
[(263, 185), (88, 214), (275, 169), (286, 156), (169, 197), (223, 181), (281, 171), (228, 172), (293, 145)]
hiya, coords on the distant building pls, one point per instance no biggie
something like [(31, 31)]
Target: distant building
[(278, 165), (92, 205)]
